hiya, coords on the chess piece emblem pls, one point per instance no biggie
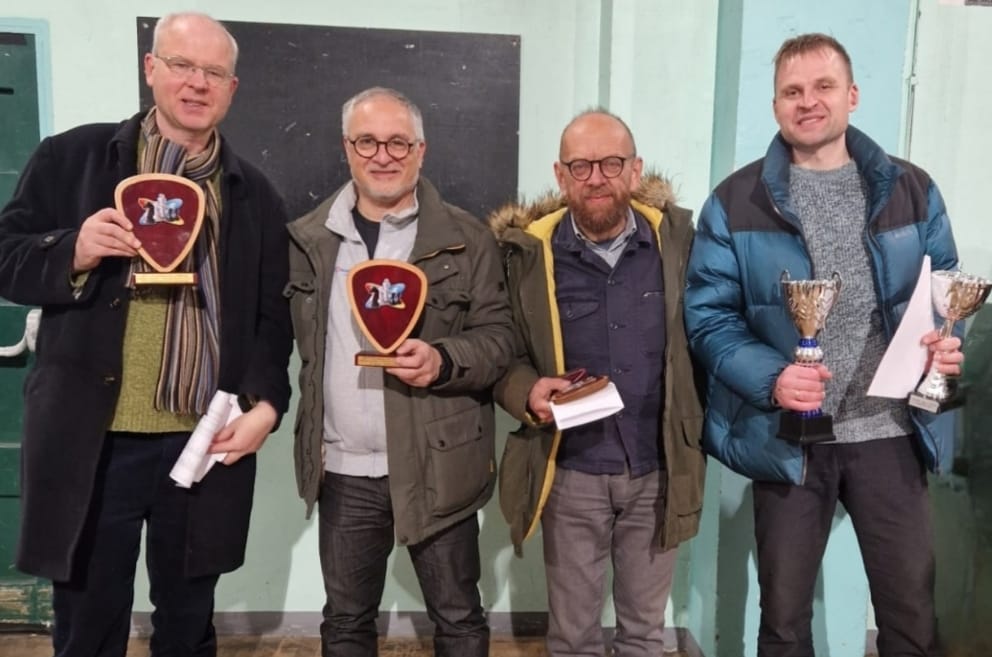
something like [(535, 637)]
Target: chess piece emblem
[(167, 213), (386, 298)]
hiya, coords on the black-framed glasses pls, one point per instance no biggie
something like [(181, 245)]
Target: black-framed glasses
[(185, 69), (610, 167), (368, 146)]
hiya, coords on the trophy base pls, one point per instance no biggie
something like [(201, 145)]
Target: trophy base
[(935, 406), (374, 359), (164, 278), (806, 430)]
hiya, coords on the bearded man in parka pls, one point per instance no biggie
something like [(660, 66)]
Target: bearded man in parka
[(588, 289)]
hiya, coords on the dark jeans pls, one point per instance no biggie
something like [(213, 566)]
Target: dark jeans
[(93, 609), (883, 487), (356, 537)]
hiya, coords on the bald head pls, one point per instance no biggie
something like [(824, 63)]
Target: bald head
[(599, 123)]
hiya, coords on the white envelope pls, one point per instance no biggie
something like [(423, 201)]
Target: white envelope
[(592, 407)]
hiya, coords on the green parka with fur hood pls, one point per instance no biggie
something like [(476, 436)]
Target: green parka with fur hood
[(528, 462)]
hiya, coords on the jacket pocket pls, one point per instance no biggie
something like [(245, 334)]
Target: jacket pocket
[(516, 481), (688, 466), (446, 309), (578, 319), (303, 310), (460, 461)]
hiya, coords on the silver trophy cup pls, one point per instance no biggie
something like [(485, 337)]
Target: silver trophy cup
[(956, 296), (809, 302)]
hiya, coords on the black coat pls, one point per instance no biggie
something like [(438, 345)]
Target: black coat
[(70, 394)]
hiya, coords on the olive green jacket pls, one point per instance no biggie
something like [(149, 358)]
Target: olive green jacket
[(440, 441), (528, 462)]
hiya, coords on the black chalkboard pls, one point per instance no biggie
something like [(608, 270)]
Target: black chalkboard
[(286, 116)]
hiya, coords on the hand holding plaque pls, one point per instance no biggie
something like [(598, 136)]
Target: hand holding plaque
[(809, 303), (386, 298), (166, 213), (956, 296)]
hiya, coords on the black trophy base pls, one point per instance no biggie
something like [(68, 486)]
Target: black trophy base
[(935, 406), (806, 430), (374, 359)]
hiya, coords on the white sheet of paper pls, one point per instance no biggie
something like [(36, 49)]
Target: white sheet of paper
[(194, 462), (590, 408), (905, 360)]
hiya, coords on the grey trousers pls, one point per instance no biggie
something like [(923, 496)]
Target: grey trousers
[(588, 521)]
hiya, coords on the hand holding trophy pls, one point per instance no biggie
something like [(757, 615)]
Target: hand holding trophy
[(955, 296), (386, 298), (808, 302)]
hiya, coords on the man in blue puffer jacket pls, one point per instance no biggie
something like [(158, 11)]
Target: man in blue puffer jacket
[(825, 198)]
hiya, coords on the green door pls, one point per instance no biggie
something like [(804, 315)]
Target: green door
[(23, 599)]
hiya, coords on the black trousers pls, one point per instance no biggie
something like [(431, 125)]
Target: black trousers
[(93, 609), (882, 485), (356, 537)]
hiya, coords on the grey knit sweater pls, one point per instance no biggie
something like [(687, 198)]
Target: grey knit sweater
[(832, 207)]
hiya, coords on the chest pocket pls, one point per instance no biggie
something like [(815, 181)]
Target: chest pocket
[(444, 312), (583, 332)]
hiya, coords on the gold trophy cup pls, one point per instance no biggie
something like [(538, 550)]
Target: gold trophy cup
[(809, 302)]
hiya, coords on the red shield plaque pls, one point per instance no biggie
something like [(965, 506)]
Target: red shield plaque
[(386, 298), (167, 214)]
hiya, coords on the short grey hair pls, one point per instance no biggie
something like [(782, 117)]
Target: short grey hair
[(374, 92), (166, 21)]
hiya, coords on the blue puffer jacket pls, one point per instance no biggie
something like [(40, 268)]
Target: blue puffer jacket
[(736, 319)]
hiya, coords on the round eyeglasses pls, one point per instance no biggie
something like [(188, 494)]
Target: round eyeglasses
[(610, 167), (368, 146), (185, 69)]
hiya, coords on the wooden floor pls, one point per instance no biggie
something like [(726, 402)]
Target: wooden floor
[(36, 645)]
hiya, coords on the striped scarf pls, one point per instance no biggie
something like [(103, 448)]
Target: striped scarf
[(191, 350)]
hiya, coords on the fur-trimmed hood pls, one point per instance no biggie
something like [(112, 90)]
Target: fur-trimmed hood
[(654, 190)]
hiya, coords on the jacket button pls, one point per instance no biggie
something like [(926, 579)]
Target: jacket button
[(48, 239), (109, 380), (402, 540), (440, 443), (116, 303)]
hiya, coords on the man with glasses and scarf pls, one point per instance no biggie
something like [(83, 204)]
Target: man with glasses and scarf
[(406, 453), (595, 279), (123, 374)]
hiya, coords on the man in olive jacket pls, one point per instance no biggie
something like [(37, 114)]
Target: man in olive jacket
[(408, 449), (588, 290)]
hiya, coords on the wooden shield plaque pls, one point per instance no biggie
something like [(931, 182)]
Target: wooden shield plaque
[(386, 298), (167, 214)]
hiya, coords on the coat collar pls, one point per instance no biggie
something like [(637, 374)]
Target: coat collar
[(877, 168)]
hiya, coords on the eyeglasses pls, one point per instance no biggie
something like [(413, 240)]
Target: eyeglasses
[(185, 69), (610, 167), (368, 146)]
